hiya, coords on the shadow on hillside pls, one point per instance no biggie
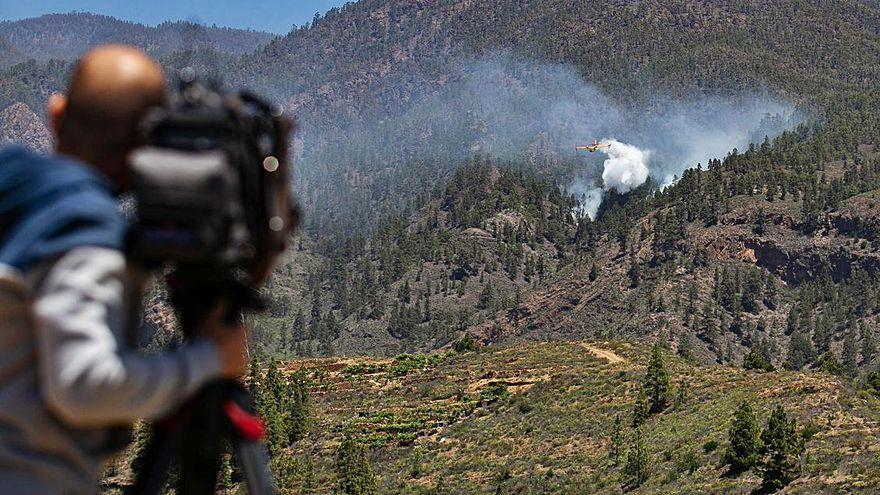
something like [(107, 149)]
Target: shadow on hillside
[(731, 473), (763, 490)]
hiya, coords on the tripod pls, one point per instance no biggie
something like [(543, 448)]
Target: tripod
[(195, 435)]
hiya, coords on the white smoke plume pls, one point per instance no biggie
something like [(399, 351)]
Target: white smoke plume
[(506, 107), (626, 167), (590, 198)]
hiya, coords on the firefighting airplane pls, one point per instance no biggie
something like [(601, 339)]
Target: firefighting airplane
[(592, 148)]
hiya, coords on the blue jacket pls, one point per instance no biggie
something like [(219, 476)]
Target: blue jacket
[(50, 205)]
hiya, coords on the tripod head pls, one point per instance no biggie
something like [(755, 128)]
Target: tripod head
[(212, 199)]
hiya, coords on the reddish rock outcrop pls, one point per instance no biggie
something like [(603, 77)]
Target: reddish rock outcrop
[(18, 124)]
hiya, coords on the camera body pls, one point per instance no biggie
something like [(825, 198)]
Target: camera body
[(211, 183)]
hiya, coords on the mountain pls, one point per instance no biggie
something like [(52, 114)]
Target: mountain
[(690, 265), (36, 54), (386, 90), (392, 100), (377, 55), (67, 36), (366, 79), (753, 253)]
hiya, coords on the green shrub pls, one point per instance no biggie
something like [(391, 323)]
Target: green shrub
[(687, 462), (465, 344), (493, 393), (710, 446), (872, 383), (756, 360)]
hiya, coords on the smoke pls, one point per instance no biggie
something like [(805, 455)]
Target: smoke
[(626, 167), (533, 113), (590, 198)]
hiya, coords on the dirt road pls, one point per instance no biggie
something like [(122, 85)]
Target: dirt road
[(600, 353)]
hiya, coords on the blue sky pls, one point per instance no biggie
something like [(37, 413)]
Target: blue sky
[(276, 16)]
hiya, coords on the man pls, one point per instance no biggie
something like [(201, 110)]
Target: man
[(71, 381)]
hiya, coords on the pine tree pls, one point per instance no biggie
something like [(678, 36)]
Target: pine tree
[(353, 471), (404, 293), (822, 334), (142, 434), (309, 483), (300, 403), (253, 380), (616, 440), (271, 406), (426, 311), (800, 351), (225, 481), (636, 469), (315, 313), (744, 436), (869, 345), (299, 326), (286, 471), (634, 274), (487, 297), (771, 298), (685, 347), (759, 223), (641, 409), (782, 450), (656, 382), (681, 396)]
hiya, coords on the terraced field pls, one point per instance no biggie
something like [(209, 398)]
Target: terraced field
[(537, 418)]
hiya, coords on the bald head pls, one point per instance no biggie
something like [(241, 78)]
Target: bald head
[(111, 90)]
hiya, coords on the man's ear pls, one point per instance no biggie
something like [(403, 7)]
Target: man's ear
[(57, 108)]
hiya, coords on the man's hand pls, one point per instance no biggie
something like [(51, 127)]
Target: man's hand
[(231, 341)]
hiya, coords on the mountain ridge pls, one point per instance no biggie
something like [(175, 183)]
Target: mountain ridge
[(66, 36)]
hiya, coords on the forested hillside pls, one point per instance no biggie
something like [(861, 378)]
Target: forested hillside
[(475, 246), (36, 56), (385, 90), (67, 36), (402, 252), (746, 255), (374, 63)]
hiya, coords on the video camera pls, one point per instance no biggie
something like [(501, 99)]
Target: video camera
[(212, 206), (211, 185)]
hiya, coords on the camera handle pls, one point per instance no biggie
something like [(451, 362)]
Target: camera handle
[(222, 411)]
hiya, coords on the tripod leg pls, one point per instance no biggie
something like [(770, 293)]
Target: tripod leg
[(248, 432), (196, 438), (201, 445), (157, 462), (253, 459)]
